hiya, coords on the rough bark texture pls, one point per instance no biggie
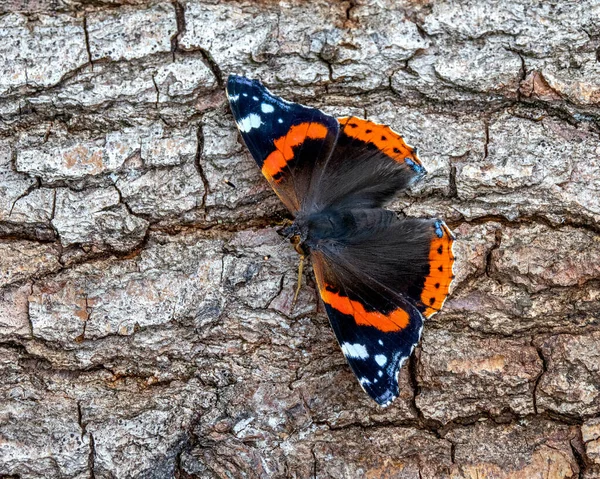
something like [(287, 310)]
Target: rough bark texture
[(145, 322)]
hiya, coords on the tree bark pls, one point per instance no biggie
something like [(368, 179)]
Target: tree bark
[(146, 327)]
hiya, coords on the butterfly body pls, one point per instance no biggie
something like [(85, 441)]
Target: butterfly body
[(378, 275), (336, 227)]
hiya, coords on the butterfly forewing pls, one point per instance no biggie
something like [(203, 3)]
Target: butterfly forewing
[(369, 165), (287, 140), (376, 328)]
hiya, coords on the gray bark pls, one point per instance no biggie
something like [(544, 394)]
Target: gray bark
[(145, 320)]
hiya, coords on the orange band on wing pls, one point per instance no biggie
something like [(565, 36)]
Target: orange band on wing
[(395, 321), (297, 134), (437, 283), (383, 137)]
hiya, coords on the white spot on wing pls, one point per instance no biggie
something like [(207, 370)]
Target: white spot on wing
[(255, 98), (380, 359), (364, 381), (379, 373), (234, 98), (356, 351), (266, 108), (245, 94), (251, 121), (380, 342), (279, 120)]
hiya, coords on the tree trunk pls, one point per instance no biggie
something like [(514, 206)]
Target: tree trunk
[(146, 327)]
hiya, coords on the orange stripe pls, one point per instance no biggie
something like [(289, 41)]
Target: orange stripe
[(437, 283), (383, 137), (395, 321), (297, 134)]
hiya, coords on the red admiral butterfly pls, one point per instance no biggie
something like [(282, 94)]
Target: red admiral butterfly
[(379, 276)]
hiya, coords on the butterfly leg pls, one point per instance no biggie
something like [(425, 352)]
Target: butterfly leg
[(300, 270)]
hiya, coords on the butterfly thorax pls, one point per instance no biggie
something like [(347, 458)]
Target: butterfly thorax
[(314, 230)]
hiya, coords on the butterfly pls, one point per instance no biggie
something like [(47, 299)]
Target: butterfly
[(379, 276)]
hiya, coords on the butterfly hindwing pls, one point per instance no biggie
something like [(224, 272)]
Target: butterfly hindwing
[(422, 262), (287, 140), (376, 356), (440, 276)]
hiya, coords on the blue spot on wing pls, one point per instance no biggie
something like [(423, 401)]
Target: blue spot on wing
[(414, 166), (438, 229)]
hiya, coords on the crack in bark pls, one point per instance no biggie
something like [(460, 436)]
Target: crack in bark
[(523, 76), (452, 452), (157, 92), (13, 161), (27, 192), (92, 448), (198, 165), (349, 8), (579, 453), (428, 424), (180, 22), (329, 69), (122, 202), (539, 377), (495, 246), (48, 130), (487, 139), (453, 189), (55, 230), (92, 457), (526, 220), (276, 295), (87, 43), (88, 314), (28, 312), (214, 67)]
